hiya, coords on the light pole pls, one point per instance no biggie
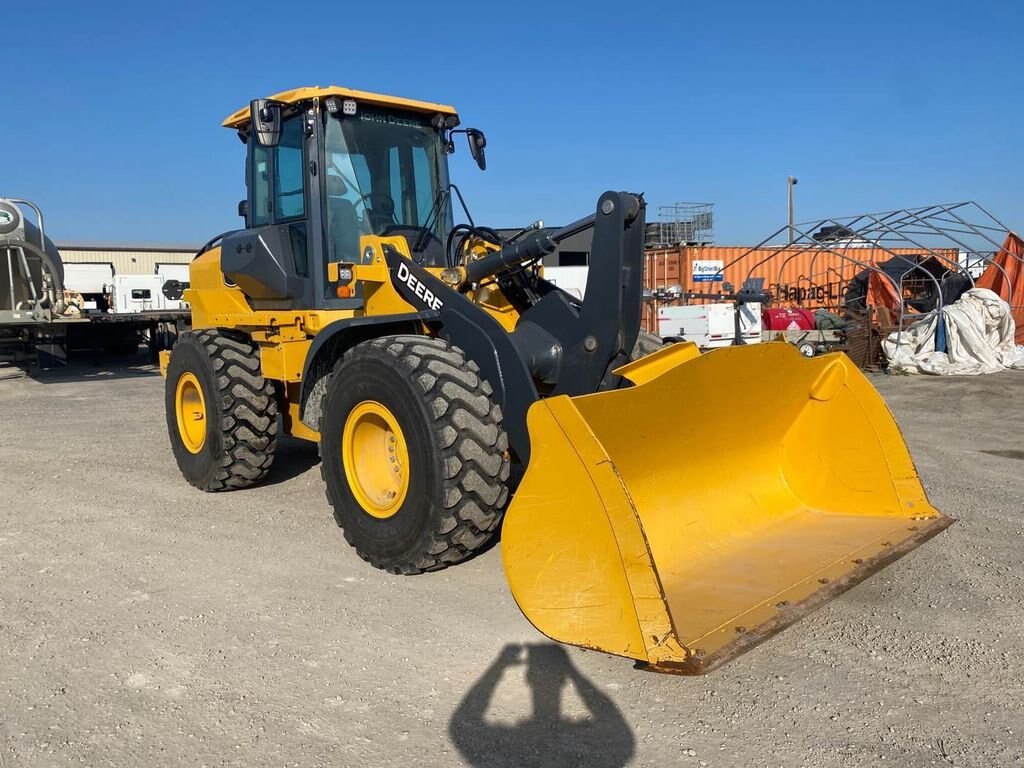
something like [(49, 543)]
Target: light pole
[(791, 181)]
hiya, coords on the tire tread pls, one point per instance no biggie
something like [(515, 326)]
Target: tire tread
[(473, 445), (248, 411)]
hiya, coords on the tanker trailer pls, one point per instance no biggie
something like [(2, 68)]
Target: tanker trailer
[(31, 272)]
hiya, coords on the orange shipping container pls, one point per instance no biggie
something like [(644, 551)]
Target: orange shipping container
[(803, 276)]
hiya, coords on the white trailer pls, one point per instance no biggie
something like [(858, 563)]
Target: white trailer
[(88, 277), (92, 281), (177, 272), (711, 325), (104, 291), (572, 280), (138, 293), (175, 281)]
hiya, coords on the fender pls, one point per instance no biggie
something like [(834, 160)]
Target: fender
[(339, 336), (479, 336)]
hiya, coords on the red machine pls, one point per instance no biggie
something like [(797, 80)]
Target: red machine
[(787, 319)]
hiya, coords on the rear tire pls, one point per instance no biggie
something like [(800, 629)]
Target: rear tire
[(646, 343), (455, 484), (237, 404)]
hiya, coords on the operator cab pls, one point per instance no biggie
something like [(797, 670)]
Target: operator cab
[(386, 175), (328, 167)]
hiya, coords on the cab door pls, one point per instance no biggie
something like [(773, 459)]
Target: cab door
[(270, 260)]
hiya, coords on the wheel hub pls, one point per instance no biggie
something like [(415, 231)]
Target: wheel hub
[(375, 459), (190, 410)]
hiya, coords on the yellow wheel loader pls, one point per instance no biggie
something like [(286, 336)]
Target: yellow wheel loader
[(675, 508)]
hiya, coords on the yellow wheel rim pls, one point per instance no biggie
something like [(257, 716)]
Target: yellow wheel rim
[(190, 409), (376, 459)]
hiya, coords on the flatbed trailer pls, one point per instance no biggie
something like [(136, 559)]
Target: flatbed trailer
[(41, 324), (44, 341)]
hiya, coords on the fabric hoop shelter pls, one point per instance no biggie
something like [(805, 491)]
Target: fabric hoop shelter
[(979, 339)]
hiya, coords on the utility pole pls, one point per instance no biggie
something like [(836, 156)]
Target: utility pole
[(791, 181)]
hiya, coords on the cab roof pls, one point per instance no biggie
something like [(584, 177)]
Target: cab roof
[(241, 117)]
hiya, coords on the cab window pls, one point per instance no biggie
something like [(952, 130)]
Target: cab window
[(277, 177), (384, 175), (289, 172), (259, 184)]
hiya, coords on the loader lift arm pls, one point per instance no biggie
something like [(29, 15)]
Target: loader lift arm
[(569, 347)]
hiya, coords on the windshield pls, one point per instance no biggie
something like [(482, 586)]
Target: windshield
[(386, 175)]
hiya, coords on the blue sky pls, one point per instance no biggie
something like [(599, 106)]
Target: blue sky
[(112, 110)]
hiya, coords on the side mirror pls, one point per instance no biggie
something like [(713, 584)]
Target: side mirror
[(265, 119), (477, 142), (243, 209)]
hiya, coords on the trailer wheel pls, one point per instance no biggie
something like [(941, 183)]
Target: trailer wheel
[(221, 412), (806, 349), (414, 456)]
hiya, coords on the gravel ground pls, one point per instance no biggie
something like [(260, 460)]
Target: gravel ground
[(143, 623)]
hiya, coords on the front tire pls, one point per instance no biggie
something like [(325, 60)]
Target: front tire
[(221, 412), (414, 456)]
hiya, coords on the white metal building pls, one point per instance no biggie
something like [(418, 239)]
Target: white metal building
[(127, 259)]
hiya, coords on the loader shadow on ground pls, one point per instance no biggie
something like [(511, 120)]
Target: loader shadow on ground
[(546, 738), (292, 458)]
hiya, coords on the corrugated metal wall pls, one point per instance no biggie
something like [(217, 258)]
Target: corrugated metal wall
[(126, 261)]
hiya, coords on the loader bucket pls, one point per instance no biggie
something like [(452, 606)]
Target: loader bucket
[(685, 519)]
